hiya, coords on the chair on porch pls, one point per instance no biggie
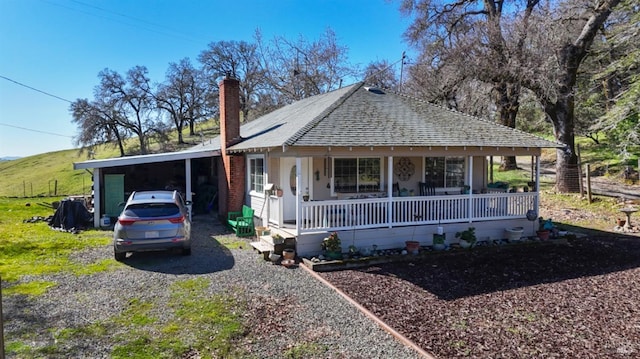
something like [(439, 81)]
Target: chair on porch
[(427, 188)]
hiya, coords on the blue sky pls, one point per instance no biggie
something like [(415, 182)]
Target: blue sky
[(59, 46)]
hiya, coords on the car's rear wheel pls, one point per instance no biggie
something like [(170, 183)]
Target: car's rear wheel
[(186, 251), (120, 256)]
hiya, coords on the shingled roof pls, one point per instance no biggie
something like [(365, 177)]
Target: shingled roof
[(361, 116)]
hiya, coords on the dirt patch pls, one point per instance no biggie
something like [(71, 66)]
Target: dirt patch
[(574, 300)]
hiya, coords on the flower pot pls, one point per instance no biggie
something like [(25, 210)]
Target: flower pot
[(621, 222), (334, 255), (543, 235), (514, 234), (305, 197), (464, 244), (288, 253), (412, 246), (279, 192), (438, 241)]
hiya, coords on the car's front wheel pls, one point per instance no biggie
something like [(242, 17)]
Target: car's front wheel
[(120, 256)]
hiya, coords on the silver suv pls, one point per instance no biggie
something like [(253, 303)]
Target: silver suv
[(151, 221)]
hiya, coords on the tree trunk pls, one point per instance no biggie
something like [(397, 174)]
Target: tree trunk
[(143, 145), (567, 174), (507, 102)]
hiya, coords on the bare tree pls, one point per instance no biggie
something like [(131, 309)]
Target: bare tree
[(182, 96), (239, 59), (470, 41), (381, 74), (301, 69), (538, 46), (131, 100), (97, 125)]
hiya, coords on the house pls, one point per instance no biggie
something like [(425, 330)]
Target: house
[(377, 167)]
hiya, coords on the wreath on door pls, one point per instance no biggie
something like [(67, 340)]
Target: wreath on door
[(404, 169)]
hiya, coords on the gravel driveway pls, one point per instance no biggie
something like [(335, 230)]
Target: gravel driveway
[(285, 307)]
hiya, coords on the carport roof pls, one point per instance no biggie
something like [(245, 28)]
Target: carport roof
[(153, 158)]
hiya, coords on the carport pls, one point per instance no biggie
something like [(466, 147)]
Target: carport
[(191, 171)]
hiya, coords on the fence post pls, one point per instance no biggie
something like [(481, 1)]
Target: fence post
[(1, 324), (589, 199)]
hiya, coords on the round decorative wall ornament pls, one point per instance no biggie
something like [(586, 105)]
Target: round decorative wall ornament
[(404, 169)]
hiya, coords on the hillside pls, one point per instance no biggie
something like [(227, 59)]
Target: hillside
[(37, 175)]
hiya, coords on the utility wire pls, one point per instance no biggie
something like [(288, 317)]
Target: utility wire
[(32, 130), (35, 89)]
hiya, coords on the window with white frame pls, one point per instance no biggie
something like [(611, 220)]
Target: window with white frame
[(356, 174), (444, 172), (256, 174)]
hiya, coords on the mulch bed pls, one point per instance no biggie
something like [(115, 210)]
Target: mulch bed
[(579, 300)]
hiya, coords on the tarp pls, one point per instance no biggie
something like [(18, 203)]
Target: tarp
[(71, 215)]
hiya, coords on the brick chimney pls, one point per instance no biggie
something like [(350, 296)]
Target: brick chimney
[(231, 180)]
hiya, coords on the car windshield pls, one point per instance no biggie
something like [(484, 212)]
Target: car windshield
[(150, 210)]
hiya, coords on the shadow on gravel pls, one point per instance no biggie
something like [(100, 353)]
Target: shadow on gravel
[(208, 255), (460, 274)]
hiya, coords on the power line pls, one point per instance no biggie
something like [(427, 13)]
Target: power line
[(35, 89), (32, 130)]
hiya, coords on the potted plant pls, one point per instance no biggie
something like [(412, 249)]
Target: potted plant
[(438, 241), (332, 246), (277, 239), (467, 237), (305, 196), (544, 228)]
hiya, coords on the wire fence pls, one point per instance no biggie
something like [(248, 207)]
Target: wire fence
[(45, 188)]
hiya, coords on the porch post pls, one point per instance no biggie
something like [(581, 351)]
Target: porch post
[(389, 190), (298, 193), (537, 198), (470, 206), (187, 176)]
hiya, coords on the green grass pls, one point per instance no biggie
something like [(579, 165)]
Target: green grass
[(195, 320), (36, 249)]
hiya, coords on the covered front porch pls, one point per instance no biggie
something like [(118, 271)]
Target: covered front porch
[(387, 218)]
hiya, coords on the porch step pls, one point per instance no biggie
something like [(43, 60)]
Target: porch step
[(264, 248), (266, 245), (268, 239)]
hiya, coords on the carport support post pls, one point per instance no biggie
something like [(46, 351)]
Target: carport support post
[(96, 197), (187, 175)]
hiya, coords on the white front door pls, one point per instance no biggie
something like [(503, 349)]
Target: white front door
[(288, 178)]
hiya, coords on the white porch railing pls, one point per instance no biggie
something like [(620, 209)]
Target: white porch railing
[(401, 211)]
